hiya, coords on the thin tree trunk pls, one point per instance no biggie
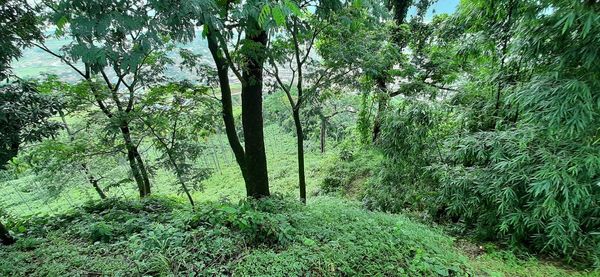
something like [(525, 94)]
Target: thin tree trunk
[(300, 142), (382, 103), (5, 237), (93, 181), (136, 164), (296, 113), (132, 155), (143, 170), (179, 177), (83, 165), (173, 161), (257, 185), (323, 133)]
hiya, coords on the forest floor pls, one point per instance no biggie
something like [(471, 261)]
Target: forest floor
[(162, 235)]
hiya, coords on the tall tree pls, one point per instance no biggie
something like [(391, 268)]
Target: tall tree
[(293, 50), (19, 29), (121, 46), (237, 42)]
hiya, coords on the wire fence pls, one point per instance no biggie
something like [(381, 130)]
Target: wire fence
[(27, 196)]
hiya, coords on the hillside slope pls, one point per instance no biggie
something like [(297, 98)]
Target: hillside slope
[(274, 237)]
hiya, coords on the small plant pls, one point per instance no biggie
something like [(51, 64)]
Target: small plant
[(100, 232), (257, 220)]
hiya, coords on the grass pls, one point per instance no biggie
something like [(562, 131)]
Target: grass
[(163, 236), (274, 237), (24, 196)]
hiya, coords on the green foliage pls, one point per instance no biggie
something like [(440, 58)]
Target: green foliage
[(514, 155), (179, 117), (536, 183), (514, 185), (217, 240), (24, 117), (348, 171), (488, 122), (260, 222), (410, 142), (18, 30), (100, 231), (336, 238)]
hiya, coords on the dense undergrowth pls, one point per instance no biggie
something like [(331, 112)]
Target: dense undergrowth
[(271, 237)]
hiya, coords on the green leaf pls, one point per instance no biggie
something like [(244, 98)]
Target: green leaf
[(278, 16), (264, 14), (588, 25), (60, 26), (569, 19), (293, 8)]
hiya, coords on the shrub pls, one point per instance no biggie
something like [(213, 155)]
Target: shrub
[(526, 188), (410, 141), (350, 169), (259, 221), (338, 238), (100, 231)]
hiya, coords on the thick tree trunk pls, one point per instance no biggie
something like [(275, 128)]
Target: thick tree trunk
[(226, 103), (5, 238), (135, 163), (300, 142), (257, 182)]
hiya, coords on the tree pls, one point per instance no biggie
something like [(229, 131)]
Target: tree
[(294, 46), (19, 29), (24, 117), (249, 70), (178, 116), (523, 165), (80, 148), (359, 45), (122, 46)]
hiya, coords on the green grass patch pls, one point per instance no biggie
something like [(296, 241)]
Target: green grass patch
[(272, 237)]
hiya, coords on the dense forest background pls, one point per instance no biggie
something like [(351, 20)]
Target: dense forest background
[(297, 138)]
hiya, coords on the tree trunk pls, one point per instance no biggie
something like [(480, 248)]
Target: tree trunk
[(179, 177), (5, 237), (323, 134), (143, 170), (382, 101), (93, 181), (226, 103), (300, 142), (83, 165), (135, 163), (257, 183)]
